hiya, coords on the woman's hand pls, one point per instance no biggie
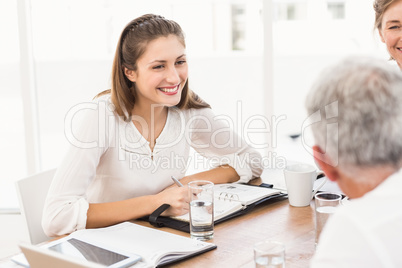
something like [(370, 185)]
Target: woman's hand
[(177, 198)]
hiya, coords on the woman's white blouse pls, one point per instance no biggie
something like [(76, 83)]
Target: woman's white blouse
[(109, 160)]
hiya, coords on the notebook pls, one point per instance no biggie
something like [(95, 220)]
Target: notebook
[(230, 198), (154, 247)]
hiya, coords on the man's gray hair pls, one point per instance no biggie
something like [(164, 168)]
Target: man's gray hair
[(366, 96)]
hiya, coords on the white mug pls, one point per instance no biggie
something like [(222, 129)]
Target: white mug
[(299, 180)]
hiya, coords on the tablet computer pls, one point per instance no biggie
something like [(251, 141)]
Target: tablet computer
[(73, 252)]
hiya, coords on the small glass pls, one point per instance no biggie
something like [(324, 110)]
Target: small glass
[(201, 210), (269, 254), (326, 204)]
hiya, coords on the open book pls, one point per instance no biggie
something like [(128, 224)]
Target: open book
[(232, 197), (155, 247)]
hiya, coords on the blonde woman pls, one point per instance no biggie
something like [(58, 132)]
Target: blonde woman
[(388, 21)]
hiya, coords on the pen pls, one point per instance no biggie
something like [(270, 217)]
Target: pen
[(177, 182)]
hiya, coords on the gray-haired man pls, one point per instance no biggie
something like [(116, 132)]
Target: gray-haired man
[(363, 154)]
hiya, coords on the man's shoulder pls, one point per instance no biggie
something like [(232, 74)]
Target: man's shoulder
[(378, 206)]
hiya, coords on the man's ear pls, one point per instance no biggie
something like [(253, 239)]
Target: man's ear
[(322, 160), (130, 74)]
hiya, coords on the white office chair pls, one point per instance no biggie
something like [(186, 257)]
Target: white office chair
[(32, 193)]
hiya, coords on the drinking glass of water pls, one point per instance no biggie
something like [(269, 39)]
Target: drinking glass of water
[(201, 209), (269, 254), (325, 205)]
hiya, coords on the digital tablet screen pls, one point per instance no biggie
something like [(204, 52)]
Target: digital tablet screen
[(82, 250)]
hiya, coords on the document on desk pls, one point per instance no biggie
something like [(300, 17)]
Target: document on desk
[(154, 246)]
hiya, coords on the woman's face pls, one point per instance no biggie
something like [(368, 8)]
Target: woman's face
[(391, 31), (161, 72)]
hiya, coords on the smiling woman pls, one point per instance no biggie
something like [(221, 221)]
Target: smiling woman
[(389, 24), (130, 140), (160, 80)]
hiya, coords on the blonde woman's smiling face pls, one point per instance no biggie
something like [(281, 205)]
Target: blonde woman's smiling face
[(391, 31)]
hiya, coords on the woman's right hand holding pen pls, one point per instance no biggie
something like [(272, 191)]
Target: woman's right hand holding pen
[(177, 198)]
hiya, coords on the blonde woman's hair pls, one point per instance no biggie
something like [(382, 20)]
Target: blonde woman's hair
[(380, 6)]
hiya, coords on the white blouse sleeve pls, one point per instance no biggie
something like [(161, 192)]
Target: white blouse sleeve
[(66, 205), (213, 138)]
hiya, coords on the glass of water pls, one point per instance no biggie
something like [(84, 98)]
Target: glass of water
[(325, 205), (201, 209), (269, 254)]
